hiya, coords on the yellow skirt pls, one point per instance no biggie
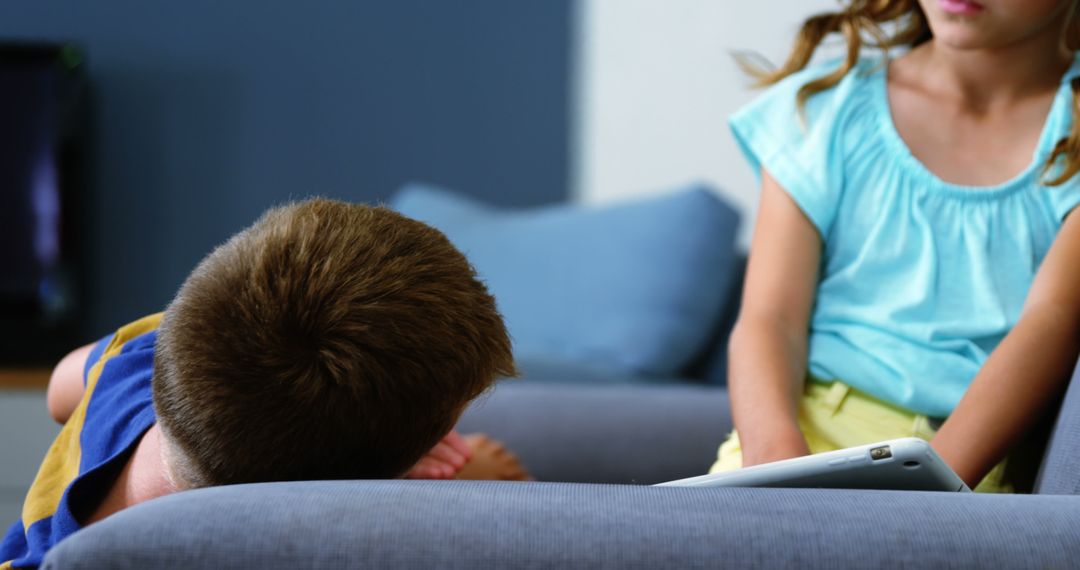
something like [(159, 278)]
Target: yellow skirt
[(834, 416)]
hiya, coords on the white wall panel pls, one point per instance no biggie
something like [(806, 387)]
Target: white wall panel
[(655, 85)]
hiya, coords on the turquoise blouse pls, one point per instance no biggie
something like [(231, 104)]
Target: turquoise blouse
[(920, 279)]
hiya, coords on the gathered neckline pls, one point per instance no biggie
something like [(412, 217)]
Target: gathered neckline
[(880, 84)]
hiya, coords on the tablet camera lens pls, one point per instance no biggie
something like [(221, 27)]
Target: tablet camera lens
[(882, 452)]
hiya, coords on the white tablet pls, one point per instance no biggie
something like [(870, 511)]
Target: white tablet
[(907, 464)]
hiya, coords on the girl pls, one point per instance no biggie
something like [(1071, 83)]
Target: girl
[(914, 269)]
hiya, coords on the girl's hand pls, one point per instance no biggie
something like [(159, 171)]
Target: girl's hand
[(444, 460)]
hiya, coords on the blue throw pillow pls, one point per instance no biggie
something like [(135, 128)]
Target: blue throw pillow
[(635, 287)]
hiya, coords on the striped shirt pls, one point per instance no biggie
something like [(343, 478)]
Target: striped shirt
[(94, 445)]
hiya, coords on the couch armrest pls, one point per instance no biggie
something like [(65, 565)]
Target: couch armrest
[(605, 434), (451, 524), (1060, 470)]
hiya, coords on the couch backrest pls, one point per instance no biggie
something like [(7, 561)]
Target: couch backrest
[(636, 287), (1060, 471), (710, 367)]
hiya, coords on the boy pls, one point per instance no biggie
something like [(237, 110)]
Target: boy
[(326, 341)]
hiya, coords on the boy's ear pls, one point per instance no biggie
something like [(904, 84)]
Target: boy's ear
[(178, 471)]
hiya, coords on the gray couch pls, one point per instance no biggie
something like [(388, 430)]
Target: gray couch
[(596, 440), (603, 445)]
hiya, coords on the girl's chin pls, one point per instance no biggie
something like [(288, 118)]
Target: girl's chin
[(965, 38)]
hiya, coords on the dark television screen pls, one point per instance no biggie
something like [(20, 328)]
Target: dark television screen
[(42, 185), (29, 189)]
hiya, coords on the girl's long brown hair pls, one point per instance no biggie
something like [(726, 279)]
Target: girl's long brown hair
[(861, 21)]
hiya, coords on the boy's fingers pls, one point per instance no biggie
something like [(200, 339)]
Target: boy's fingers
[(446, 454), (428, 468), (458, 443)]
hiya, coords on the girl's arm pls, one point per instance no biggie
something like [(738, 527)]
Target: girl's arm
[(1027, 371), (768, 352)]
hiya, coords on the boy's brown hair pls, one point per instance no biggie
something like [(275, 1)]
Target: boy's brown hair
[(326, 341)]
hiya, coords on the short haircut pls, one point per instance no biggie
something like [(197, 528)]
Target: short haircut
[(326, 341)]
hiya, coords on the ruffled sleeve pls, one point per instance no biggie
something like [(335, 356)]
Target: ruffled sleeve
[(1065, 197), (803, 156)]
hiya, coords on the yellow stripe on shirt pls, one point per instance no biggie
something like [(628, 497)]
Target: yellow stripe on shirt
[(61, 464)]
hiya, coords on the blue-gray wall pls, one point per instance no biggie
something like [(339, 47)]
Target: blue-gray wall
[(208, 111)]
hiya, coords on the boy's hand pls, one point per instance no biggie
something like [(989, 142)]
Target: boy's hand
[(444, 460)]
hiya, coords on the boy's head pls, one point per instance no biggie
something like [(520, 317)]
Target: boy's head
[(327, 341)]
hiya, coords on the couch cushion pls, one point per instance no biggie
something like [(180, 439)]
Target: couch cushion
[(636, 287), (1060, 471), (712, 364), (465, 524), (604, 434)]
